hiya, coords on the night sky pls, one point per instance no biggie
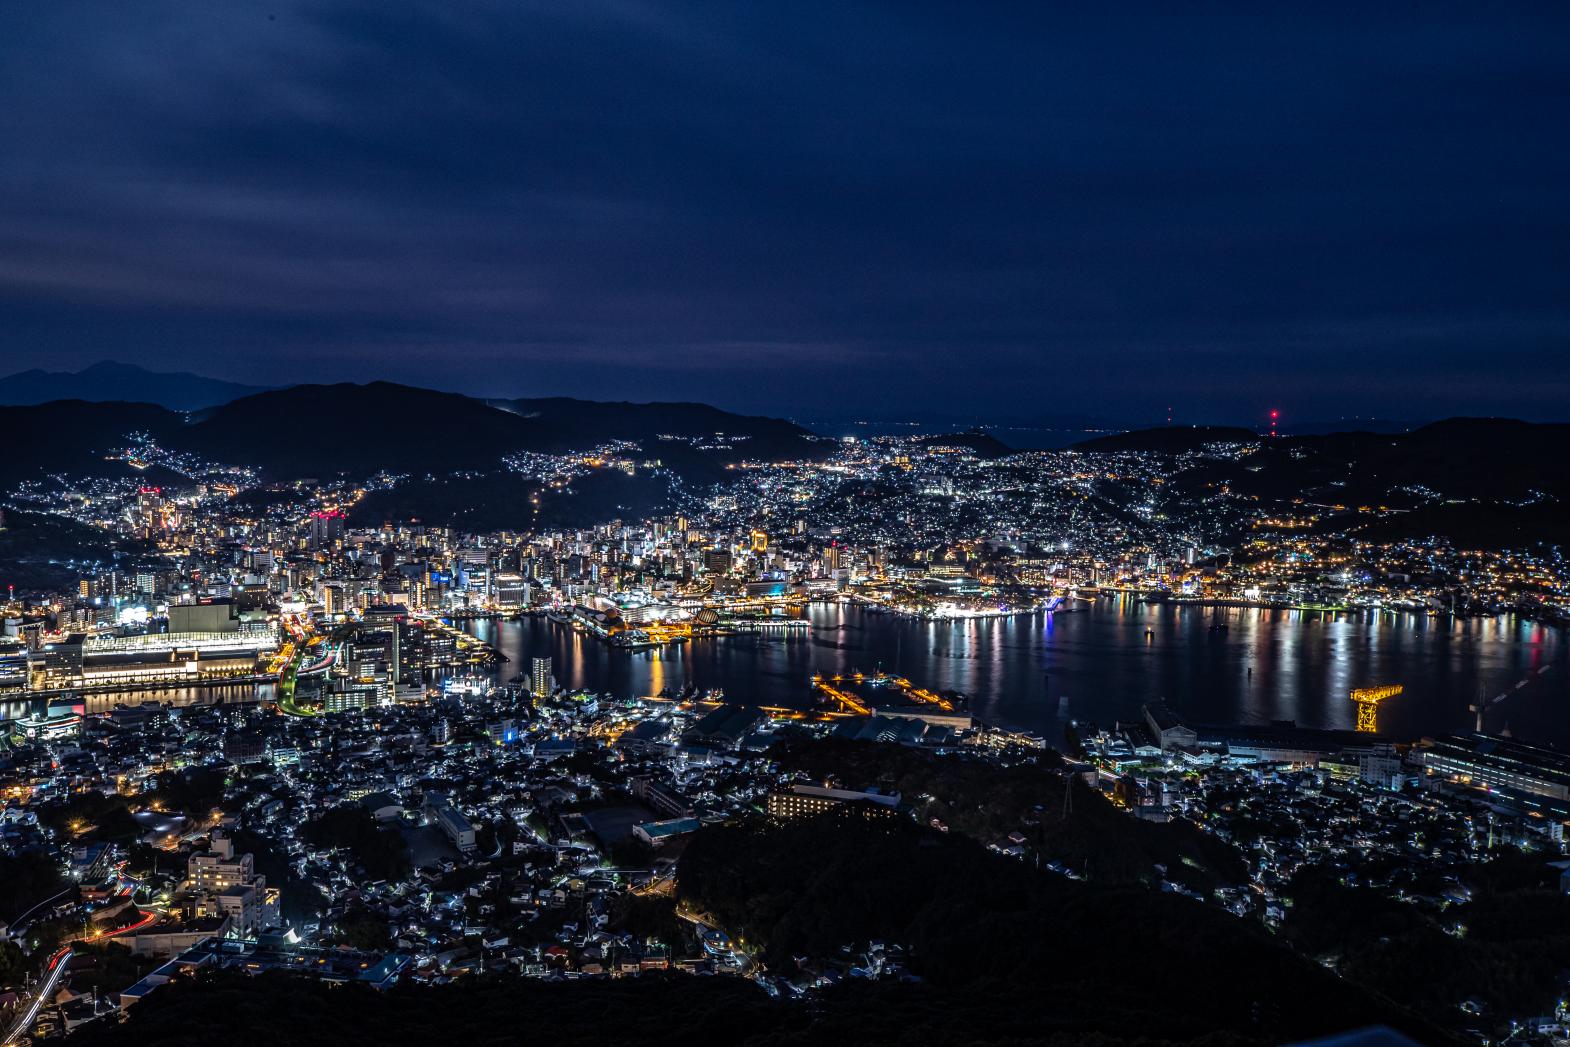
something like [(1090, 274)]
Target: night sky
[(844, 209)]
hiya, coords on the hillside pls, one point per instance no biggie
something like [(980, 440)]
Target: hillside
[(323, 430), (579, 423), (1458, 457), (302, 431), (997, 952), (1503, 480), (40, 551), (320, 430), (71, 436), (109, 380), (1470, 525), (1005, 951), (1477, 481), (982, 445), (497, 501)]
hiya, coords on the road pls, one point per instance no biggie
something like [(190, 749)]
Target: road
[(46, 989), (56, 970), (148, 919), (19, 924)]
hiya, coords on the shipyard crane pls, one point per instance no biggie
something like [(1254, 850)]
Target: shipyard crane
[(1368, 699)]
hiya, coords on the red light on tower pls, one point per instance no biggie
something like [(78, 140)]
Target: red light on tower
[(1274, 417)]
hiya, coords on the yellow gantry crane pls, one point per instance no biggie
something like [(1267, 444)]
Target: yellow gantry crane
[(667, 632), (1368, 699)]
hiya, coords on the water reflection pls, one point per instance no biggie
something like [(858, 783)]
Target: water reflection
[(1103, 660), (173, 696), (1100, 662)]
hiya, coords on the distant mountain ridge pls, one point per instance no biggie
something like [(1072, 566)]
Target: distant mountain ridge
[(325, 430), (110, 381), (1514, 475)]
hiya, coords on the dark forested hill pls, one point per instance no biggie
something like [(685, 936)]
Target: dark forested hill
[(317, 430), (982, 445), (501, 500), (1481, 482), (1459, 457), (584, 423), (71, 436), (325, 430), (1009, 948), (41, 551), (1004, 953)]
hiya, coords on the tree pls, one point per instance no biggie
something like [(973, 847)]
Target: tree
[(26, 880), (195, 790), (382, 852), (360, 928), (14, 966)]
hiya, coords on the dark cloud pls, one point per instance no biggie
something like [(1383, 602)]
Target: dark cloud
[(802, 208)]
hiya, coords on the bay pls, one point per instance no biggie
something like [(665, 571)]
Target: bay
[(1106, 658)]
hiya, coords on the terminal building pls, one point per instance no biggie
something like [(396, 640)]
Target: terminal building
[(204, 642), (217, 616)]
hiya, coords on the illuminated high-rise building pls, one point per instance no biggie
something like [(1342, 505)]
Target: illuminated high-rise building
[(541, 683), (326, 529)]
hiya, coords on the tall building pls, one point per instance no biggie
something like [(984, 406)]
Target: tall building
[(326, 529), (374, 652), (63, 660), (510, 590), (225, 884), (540, 680), (214, 616)]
